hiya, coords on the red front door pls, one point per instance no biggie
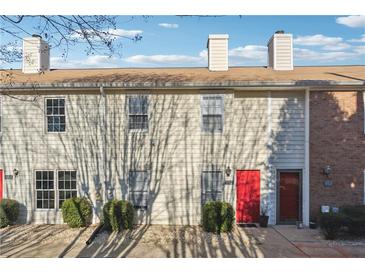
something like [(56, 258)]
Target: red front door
[(248, 196), (1, 184), (289, 183)]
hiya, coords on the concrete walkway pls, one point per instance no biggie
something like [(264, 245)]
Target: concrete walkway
[(173, 241)]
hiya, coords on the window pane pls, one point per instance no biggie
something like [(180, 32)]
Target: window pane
[(45, 186), (212, 123), (212, 186), (55, 109), (138, 199), (138, 122), (138, 181)]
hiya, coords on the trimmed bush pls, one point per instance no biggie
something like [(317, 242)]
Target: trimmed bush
[(118, 215), (77, 212), (210, 217), (227, 214), (10, 209), (127, 211), (355, 219), (4, 221), (217, 217), (331, 224)]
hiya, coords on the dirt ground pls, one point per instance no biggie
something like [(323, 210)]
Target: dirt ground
[(173, 241)]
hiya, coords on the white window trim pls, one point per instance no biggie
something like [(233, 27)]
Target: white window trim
[(144, 130), (201, 113), (202, 183), (45, 115), (148, 188), (56, 199)]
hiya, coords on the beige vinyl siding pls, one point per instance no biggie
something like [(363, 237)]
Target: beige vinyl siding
[(98, 144)]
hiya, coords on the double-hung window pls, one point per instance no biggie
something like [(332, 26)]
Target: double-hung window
[(138, 112), (56, 115), (138, 188), (66, 185), (212, 109), (52, 190), (212, 186), (45, 188)]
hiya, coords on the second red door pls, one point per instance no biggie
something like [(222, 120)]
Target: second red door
[(248, 196)]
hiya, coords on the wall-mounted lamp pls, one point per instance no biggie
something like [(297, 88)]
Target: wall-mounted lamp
[(15, 172), (327, 170), (228, 171)]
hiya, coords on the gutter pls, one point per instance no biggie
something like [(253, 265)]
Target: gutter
[(186, 85)]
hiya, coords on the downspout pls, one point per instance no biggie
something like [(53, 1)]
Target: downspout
[(306, 178)]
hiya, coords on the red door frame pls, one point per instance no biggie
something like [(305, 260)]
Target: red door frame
[(1, 183), (300, 206), (248, 196)]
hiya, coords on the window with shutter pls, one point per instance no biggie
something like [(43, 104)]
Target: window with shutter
[(212, 108)]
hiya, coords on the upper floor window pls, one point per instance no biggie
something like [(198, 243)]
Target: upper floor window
[(212, 186), (56, 115), (138, 112), (138, 188), (212, 109)]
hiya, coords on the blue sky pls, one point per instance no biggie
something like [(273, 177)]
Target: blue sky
[(172, 41)]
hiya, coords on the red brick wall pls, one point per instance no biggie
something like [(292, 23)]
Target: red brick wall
[(336, 139)]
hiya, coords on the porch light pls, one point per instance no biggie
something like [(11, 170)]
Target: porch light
[(228, 171), (15, 172), (327, 170)]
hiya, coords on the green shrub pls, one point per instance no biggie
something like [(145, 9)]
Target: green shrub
[(106, 219), (77, 212), (118, 215), (217, 217), (331, 224), (11, 210), (227, 214), (4, 221), (355, 217), (127, 211)]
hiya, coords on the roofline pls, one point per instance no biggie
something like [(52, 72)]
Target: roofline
[(183, 67), (188, 85)]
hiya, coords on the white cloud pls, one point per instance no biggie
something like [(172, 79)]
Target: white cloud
[(93, 61), (326, 42), (255, 53), (353, 21), (168, 25), (360, 40), (307, 54), (317, 40), (337, 47), (168, 59), (125, 33)]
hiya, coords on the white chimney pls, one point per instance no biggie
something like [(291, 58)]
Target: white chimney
[(218, 52), (35, 55), (280, 51)]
